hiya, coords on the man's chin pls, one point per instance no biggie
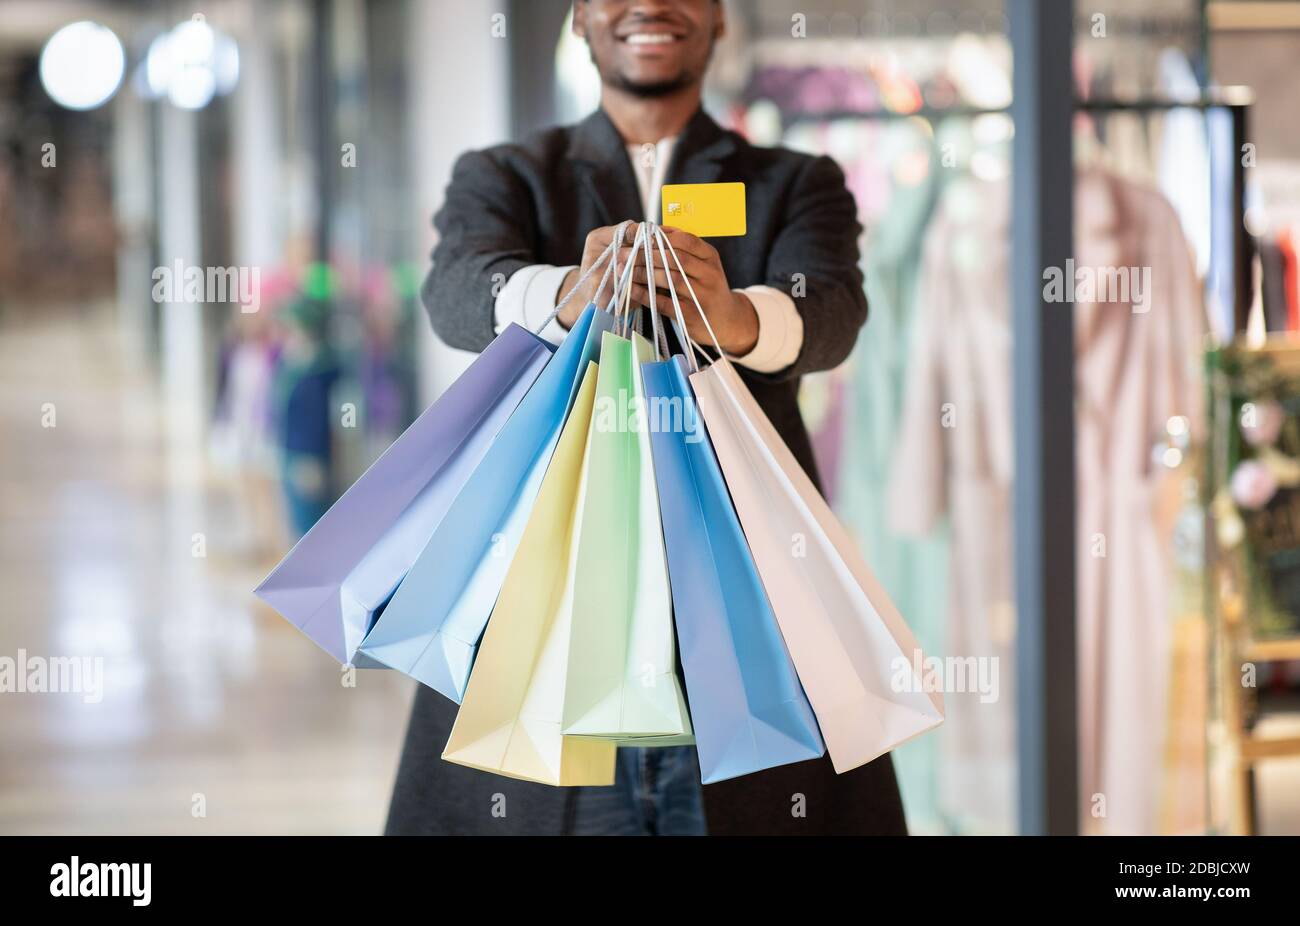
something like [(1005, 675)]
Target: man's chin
[(652, 88)]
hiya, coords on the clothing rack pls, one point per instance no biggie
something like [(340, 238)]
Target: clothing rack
[(1236, 101), (933, 113)]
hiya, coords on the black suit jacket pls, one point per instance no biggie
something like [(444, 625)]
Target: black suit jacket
[(534, 202)]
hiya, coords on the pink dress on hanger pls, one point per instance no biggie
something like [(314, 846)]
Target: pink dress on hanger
[(1134, 371)]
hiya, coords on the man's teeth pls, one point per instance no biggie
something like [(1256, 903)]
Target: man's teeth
[(649, 38)]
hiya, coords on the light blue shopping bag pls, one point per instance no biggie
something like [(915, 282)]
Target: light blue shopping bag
[(431, 628), (747, 707)]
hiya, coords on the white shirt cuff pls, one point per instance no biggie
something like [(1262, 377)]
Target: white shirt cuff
[(780, 330), (528, 297)]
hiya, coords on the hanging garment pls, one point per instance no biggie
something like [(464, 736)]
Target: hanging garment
[(953, 457), (1290, 278), (1136, 367), (913, 570), (1134, 372)]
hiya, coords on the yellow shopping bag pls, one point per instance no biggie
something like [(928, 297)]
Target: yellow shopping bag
[(509, 720)]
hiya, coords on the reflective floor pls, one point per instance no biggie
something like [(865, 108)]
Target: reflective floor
[(215, 716)]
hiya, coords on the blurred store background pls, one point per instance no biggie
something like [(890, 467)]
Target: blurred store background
[(161, 449)]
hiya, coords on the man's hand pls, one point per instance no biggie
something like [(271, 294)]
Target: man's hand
[(731, 314), (597, 241)]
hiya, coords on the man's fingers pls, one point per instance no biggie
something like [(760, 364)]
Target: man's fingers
[(695, 268), (661, 278), (661, 287), (641, 296), (629, 234), (600, 238), (697, 257), (695, 265), (691, 244)]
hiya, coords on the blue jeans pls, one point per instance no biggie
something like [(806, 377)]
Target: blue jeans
[(656, 792)]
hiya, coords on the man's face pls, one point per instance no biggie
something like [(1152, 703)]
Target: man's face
[(649, 47)]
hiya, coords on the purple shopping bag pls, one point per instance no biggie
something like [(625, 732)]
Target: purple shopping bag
[(335, 579)]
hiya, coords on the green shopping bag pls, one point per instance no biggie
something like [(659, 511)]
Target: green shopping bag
[(622, 683)]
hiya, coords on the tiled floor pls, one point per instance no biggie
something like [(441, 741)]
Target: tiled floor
[(216, 716)]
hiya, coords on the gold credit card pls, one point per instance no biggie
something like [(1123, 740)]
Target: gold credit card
[(709, 210)]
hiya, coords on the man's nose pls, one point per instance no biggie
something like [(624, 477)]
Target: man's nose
[(652, 8)]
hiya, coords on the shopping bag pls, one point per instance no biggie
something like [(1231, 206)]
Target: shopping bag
[(509, 721), (622, 682), (342, 570), (431, 627), (855, 656), (747, 707)]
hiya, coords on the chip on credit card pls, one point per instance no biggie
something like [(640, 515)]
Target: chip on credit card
[(708, 210)]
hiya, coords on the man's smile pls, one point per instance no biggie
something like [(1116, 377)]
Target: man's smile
[(650, 38)]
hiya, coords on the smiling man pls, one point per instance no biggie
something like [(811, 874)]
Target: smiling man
[(520, 225)]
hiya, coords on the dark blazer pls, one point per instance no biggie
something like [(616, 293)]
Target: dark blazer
[(534, 202)]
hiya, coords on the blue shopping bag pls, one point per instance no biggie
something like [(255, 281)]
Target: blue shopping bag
[(338, 576), (431, 628), (747, 706)]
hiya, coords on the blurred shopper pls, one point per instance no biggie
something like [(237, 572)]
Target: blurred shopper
[(303, 385), (785, 300), (242, 439)]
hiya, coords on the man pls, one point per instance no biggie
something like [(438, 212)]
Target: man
[(520, 225)]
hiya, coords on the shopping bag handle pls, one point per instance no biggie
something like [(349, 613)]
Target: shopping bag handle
[(611, 272), (618, 281), (610, 251), (689, 347), (622, 291), (656, 323), (685, 338), (624, 310)]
